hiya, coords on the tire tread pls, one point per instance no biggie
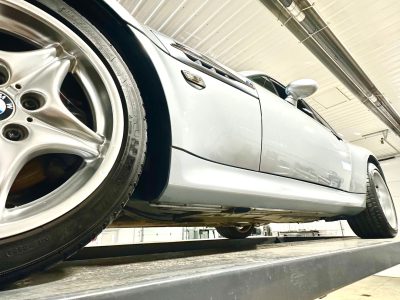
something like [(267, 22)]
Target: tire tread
[(233, 233)]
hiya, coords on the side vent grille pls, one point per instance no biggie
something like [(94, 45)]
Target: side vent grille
[(208, 63), (208, 66)]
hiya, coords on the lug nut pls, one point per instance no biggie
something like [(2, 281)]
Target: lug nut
[(30, 103), (13, 134)]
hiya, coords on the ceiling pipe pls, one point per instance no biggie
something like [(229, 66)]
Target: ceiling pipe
[(383, 135), (303, 20)]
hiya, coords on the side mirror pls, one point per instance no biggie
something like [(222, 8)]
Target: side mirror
[(300, 89)]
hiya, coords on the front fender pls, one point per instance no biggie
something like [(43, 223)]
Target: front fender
[(126, 17), (126, 35), (359, 158)]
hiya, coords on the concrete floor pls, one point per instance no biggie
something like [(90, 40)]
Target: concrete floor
[(373, 287)]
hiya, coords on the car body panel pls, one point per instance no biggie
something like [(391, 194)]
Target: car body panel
[(219, 123), (192, 58), (216, 139), (129, 19), (297, 146), (197, 181), (359, 159), (359, 156)]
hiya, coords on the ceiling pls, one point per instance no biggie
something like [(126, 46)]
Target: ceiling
[(244, 35)]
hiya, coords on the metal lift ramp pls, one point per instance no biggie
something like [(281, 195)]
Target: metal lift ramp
[(259, 268)]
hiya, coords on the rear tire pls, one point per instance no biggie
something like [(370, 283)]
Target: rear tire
[(379, 219), (235, 232)]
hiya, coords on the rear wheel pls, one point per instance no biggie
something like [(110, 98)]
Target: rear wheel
[(236, 232), (72, 135), (379, 219)]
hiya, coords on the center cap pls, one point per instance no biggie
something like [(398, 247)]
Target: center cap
[(6, 107)]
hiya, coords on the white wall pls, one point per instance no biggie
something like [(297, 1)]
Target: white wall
[(163, 234), (112, 236)]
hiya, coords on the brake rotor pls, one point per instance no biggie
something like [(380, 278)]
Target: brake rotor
[(32, 173)]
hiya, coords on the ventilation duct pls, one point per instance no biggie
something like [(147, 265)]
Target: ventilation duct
[(303, 20)]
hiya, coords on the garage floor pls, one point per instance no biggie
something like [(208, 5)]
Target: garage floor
[(373, 287)]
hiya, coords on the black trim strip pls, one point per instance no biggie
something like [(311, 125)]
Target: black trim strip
[(187, 50)]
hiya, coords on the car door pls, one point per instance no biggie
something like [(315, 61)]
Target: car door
[(220, 123), (298, 145)]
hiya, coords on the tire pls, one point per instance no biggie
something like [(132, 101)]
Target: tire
[(235, 233), (44, 246), (376, 222)]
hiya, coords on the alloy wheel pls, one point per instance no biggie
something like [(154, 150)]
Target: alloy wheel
[(39, 120)]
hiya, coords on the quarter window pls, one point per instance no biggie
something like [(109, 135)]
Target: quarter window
[(280, 89), (263, 81), (302, 106)]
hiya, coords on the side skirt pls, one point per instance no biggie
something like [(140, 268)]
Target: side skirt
[(194, 181)]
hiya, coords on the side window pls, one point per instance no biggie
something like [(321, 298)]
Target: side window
[(280, 89), (264, 82), (302, 106)]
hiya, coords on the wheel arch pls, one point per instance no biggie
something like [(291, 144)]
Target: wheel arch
[(114, 27), (375, 161), (360, 157)]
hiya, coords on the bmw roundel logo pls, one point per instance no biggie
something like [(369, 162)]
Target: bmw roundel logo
[(6, 106)]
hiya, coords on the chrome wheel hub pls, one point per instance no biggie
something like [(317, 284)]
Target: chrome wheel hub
[(7, 107), (35, 119)]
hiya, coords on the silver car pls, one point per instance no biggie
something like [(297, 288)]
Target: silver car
[(104, 120)]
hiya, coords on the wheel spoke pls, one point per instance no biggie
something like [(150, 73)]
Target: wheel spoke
[(25, 64), (44, 138), (39, 139), (11, 162), (45, 87)]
